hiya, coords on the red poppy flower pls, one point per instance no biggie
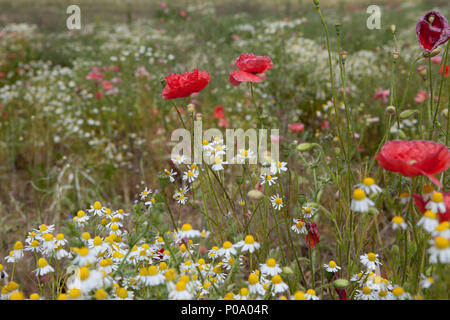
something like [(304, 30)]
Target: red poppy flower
[(251, 68), (313, 237), (446, 70), (219, 112), (443, 216), (414, 158), (432, 30), (296, 127), (183, 85), (382, 94)]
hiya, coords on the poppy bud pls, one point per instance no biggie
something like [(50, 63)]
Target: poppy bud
[(163, 180), (304, 146), (287, 270), (338, 27), (239, 180), (422, 71), (343, 55), (393, 28), (402, 134), (316, 2), (390, 110), (431, 54), (395, 55), (340, 283), (373, 211), (445, 113), (191, 108), (199, 116), (407, 113), (395, 250), (255, 195)]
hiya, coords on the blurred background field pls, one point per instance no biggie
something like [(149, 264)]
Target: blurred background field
[(63, 147)]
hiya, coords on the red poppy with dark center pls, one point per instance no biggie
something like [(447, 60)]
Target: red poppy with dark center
[(432, 30), (251, 68), (414, 158), (296, 127), (443, 216), (219, 112), (183, 85), (313, 237)]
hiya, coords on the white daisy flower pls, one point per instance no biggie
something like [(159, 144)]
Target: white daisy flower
[(436, 203), (90, 279), (190, 175), (439, 250), (179, 159), (400, 294), (150, 276), (218, 164), (299, 227), (311, 295), (277, 202), (227, 250), (370, 261), (404, 198), (270, 268), (398, 223), (84, 256), (365, 294), (426, 282), (97, 209), (332, 266), (368, 186), (429, 221), (248, 244), (278, 167), (427, 192), (123, 294), (145, 193), (268, 178), (308, 210), (278, 286), (180, 292), (442, 229), (254, 286), (43, 267), (360, 203), (244, 154), (171, 174)]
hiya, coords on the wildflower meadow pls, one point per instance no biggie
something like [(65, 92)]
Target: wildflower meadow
[(224, 150)]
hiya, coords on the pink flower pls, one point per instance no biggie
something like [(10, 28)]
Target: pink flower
[(296, 127), (420, 96), (436, 60), (382, 94)]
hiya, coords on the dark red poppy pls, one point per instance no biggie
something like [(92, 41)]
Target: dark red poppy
[(183, 85), (313, 237), (251, 68), (296, 127), (432, 30), (219, 112), (443, 216), (414, 158)]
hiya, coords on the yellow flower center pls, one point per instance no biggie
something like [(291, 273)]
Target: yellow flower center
[(244, 153), (181, 286), (43, 227), (47, 237), (227, 245), (122, 293), (300, 223), (83, 252), (404, 195), (59, 236), (17, 296), (101, 294), (244, 292), (217, 160), (443, 226), (427, 188), (186, 227), (441, 243), (278, 200), (332, 264), (299, 295), (34, 296), (162, 266), (271, 262), (276, 279), (398, 291), (368, 181), (190, 174), (74, 293), (249, 239), (366, 290), (42, 263), (397, 220), (85, 236), (268, 177), (18, 245), (311, 292), (80, 213), (371, 256), (430, 214), (97, 205), (359, 194), (437, 197), (170, 275), (84, 273), (253, 279)]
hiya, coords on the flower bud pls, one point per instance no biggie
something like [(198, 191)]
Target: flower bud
[(340, 283), (163, 180), (390, 110), (199, 116), (393, 27), (255, 194), (407, 113), (445, 113), (431, 54), (338, 27), (343, 55), (304, 146), (191, 107), (402, 134), (287, 270), (395, 250), (316, 2), (239, 180), (395, 55)]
